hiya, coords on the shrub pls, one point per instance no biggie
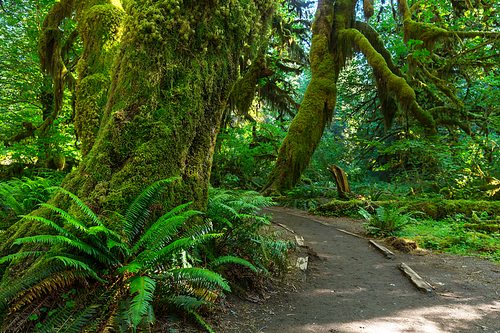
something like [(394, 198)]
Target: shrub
[(21, 196), (245, 234), (386, 220)]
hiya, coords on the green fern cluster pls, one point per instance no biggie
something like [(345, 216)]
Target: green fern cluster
[(235, 214), (386, 220), (145, 263), (21, 196)]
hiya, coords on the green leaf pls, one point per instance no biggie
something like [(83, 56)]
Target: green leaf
[(233, 260), (143, 287), (138, 211)]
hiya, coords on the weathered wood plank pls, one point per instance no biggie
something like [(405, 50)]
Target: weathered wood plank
[(350, 233), (415, 278), (388, 253), (285, 227)]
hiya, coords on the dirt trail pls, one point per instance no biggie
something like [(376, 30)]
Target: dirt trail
[(352, 287)]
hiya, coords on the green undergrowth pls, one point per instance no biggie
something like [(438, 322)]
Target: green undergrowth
[(84, 276), (453, 235), (462, 227), (21, 196), (436, 209), (305, 197)]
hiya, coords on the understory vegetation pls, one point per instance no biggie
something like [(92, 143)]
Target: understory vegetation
[(149, 264)]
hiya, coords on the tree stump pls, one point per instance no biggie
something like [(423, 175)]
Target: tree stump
[(341, 180)]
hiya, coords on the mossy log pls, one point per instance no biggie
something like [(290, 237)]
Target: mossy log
[(485, 226), (435, 209)]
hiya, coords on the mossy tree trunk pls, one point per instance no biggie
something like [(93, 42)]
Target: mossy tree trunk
[(172, 72), (336, 35)]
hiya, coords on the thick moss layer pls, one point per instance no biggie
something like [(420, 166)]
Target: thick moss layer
[(245, 88), (100, 29), (435, 209), (485, 227)]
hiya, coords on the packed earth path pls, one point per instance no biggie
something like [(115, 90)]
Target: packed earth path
[(350, 286)]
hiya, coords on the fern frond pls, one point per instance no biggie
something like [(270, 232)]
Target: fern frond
[(103, 230), (186, 302), (138, 211), (61, 240), (201, 321), (20, 255), (199, 230), (233, 260), (200, 276), (50, 224), (143, 287), (18, 286), (73, 320), (166, 253), (162, 231), (83, 207), (66, 216), (46, 286), (77, 264), (177, 210)]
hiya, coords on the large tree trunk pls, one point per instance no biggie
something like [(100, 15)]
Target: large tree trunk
[(317, 107), (170, 78)]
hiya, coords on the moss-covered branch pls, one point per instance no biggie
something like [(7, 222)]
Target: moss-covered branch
[(454, 122), (29, 131), (378, 44), (442, 85), (404, 93), (245, 88), (315, 111)]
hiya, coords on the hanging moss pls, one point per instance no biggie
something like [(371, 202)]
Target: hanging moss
[(315, 112), (244, 89), (404, 93), (368, 9)]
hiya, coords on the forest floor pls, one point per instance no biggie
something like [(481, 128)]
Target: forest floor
[(350, 286)]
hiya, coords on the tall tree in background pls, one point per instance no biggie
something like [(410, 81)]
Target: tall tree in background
[(30, 131), (432, 66)]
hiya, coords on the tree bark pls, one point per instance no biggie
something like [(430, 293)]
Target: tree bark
[(341, 180)]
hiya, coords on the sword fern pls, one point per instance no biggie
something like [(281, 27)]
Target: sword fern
[(131, 265)]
